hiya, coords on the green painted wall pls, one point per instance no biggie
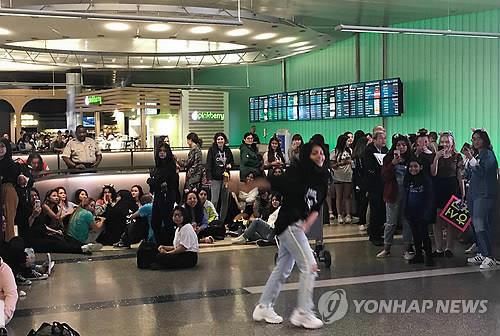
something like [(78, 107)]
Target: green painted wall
[(450, 83)]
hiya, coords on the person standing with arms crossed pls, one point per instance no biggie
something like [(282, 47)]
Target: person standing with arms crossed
[(82, 152)]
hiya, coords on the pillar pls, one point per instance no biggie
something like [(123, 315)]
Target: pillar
[(73, 88)]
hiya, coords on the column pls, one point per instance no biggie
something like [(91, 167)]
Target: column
[(73, 88)]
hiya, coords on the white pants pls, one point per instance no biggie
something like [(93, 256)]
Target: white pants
[(3, 319)]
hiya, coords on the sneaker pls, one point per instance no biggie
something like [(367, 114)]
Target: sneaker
[(265, 242), (3, 331), (267, 314), (34, 275), (348, 219), (362, 227), (488, 264), (240, 240), (49, 264), (448, 253), (121, 244), (233, 233), (438, 254), (91, 247), (340, 220), (472, 250), (332, 216), (22, 281), (408, 255), (304, 319), (477, 260), (384, 253), (354, 220)]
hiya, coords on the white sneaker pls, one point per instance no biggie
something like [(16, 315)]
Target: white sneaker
[(472, 250), (348, 219), (340, 220), (408, 255), (91, 247), (238, 240), (362, 227), (477, 260), (267, 314), (384, 253), (488, 264), (304, 319)]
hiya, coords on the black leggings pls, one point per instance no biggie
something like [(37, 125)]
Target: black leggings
[(361, 205), (161, 221), (179, 260), (59, 244), (420, 231), (215, 229), (13, 254)]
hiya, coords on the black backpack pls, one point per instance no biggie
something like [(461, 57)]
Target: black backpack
[(146, 254), (54, 329)]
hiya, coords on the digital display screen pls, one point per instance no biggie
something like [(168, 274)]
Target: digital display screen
[(88, 121), (378, 98)]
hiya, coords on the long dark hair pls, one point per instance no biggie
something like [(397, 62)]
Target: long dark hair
[(185, 218), (359, 134), (309, 168), (30, 161), (194, 138), (406, 156), (126, 199), (62, 188), (277, 195), (341, 146), (76, 199), (112, 190), (220, 134), (8, 148), (253, 146), (271, 154), (485, 137), (360, 147), (141, 191), (168, 160), (198, 209), (416, 180)]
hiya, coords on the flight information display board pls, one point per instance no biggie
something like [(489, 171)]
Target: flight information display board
[(379, 98)]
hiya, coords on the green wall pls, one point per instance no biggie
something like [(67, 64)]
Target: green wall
[(450, 83)]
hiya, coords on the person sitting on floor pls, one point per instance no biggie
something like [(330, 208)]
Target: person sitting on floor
[(116, 217), (80, 195), (184, 252), (196, 216), (260, 230), (8, 296), (84, 227), (215, 227), (43, 239), (106, 198), (136, 230)]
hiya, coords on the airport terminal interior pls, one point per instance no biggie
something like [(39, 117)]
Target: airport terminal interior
[(249, 167)]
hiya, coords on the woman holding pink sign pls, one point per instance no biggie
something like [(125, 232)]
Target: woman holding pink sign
[(447, 170)]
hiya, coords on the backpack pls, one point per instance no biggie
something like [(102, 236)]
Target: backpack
[(54, 329), (146, 254)]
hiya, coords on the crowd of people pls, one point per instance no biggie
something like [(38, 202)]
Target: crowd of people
[(280, 194)]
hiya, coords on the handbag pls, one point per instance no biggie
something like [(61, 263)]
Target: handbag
[(54, 329)]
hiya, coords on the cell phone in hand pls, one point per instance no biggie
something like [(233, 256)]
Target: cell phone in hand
[(37, 203), (440, 148), (466, 146)]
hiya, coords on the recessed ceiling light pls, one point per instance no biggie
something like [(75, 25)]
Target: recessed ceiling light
[(265, 36), (85, 60), (117, 26), (304, 48), (238, 32), (286, 39), (4, 31), (158, 27), (299, 44), (202, 30)]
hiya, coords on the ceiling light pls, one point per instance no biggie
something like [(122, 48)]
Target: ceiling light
[(286, 39), (299, 44), (85, 60), (4, 31), (238, 32), (390, 30), (158, 27), (304, 48), (265, 36), (201, 30), (117, 26)]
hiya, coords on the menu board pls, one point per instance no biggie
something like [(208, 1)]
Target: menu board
[(379, 98)]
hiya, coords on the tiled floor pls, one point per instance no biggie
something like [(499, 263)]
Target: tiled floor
[(107, 295)]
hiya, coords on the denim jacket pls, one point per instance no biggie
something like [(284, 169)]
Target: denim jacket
[(483, 180)]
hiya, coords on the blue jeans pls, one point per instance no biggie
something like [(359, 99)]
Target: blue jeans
[(294, 248), (395, 215), (482, 211), (257, 230)]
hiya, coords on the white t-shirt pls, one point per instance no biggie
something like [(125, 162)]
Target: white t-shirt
[(186, 237)]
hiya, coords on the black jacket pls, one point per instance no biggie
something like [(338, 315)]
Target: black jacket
[(372, 169), (303, 192), (217, 160)]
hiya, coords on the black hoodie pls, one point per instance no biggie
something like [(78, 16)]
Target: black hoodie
[(9, 170), (303, 186), (217, 160), (164, 177)]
